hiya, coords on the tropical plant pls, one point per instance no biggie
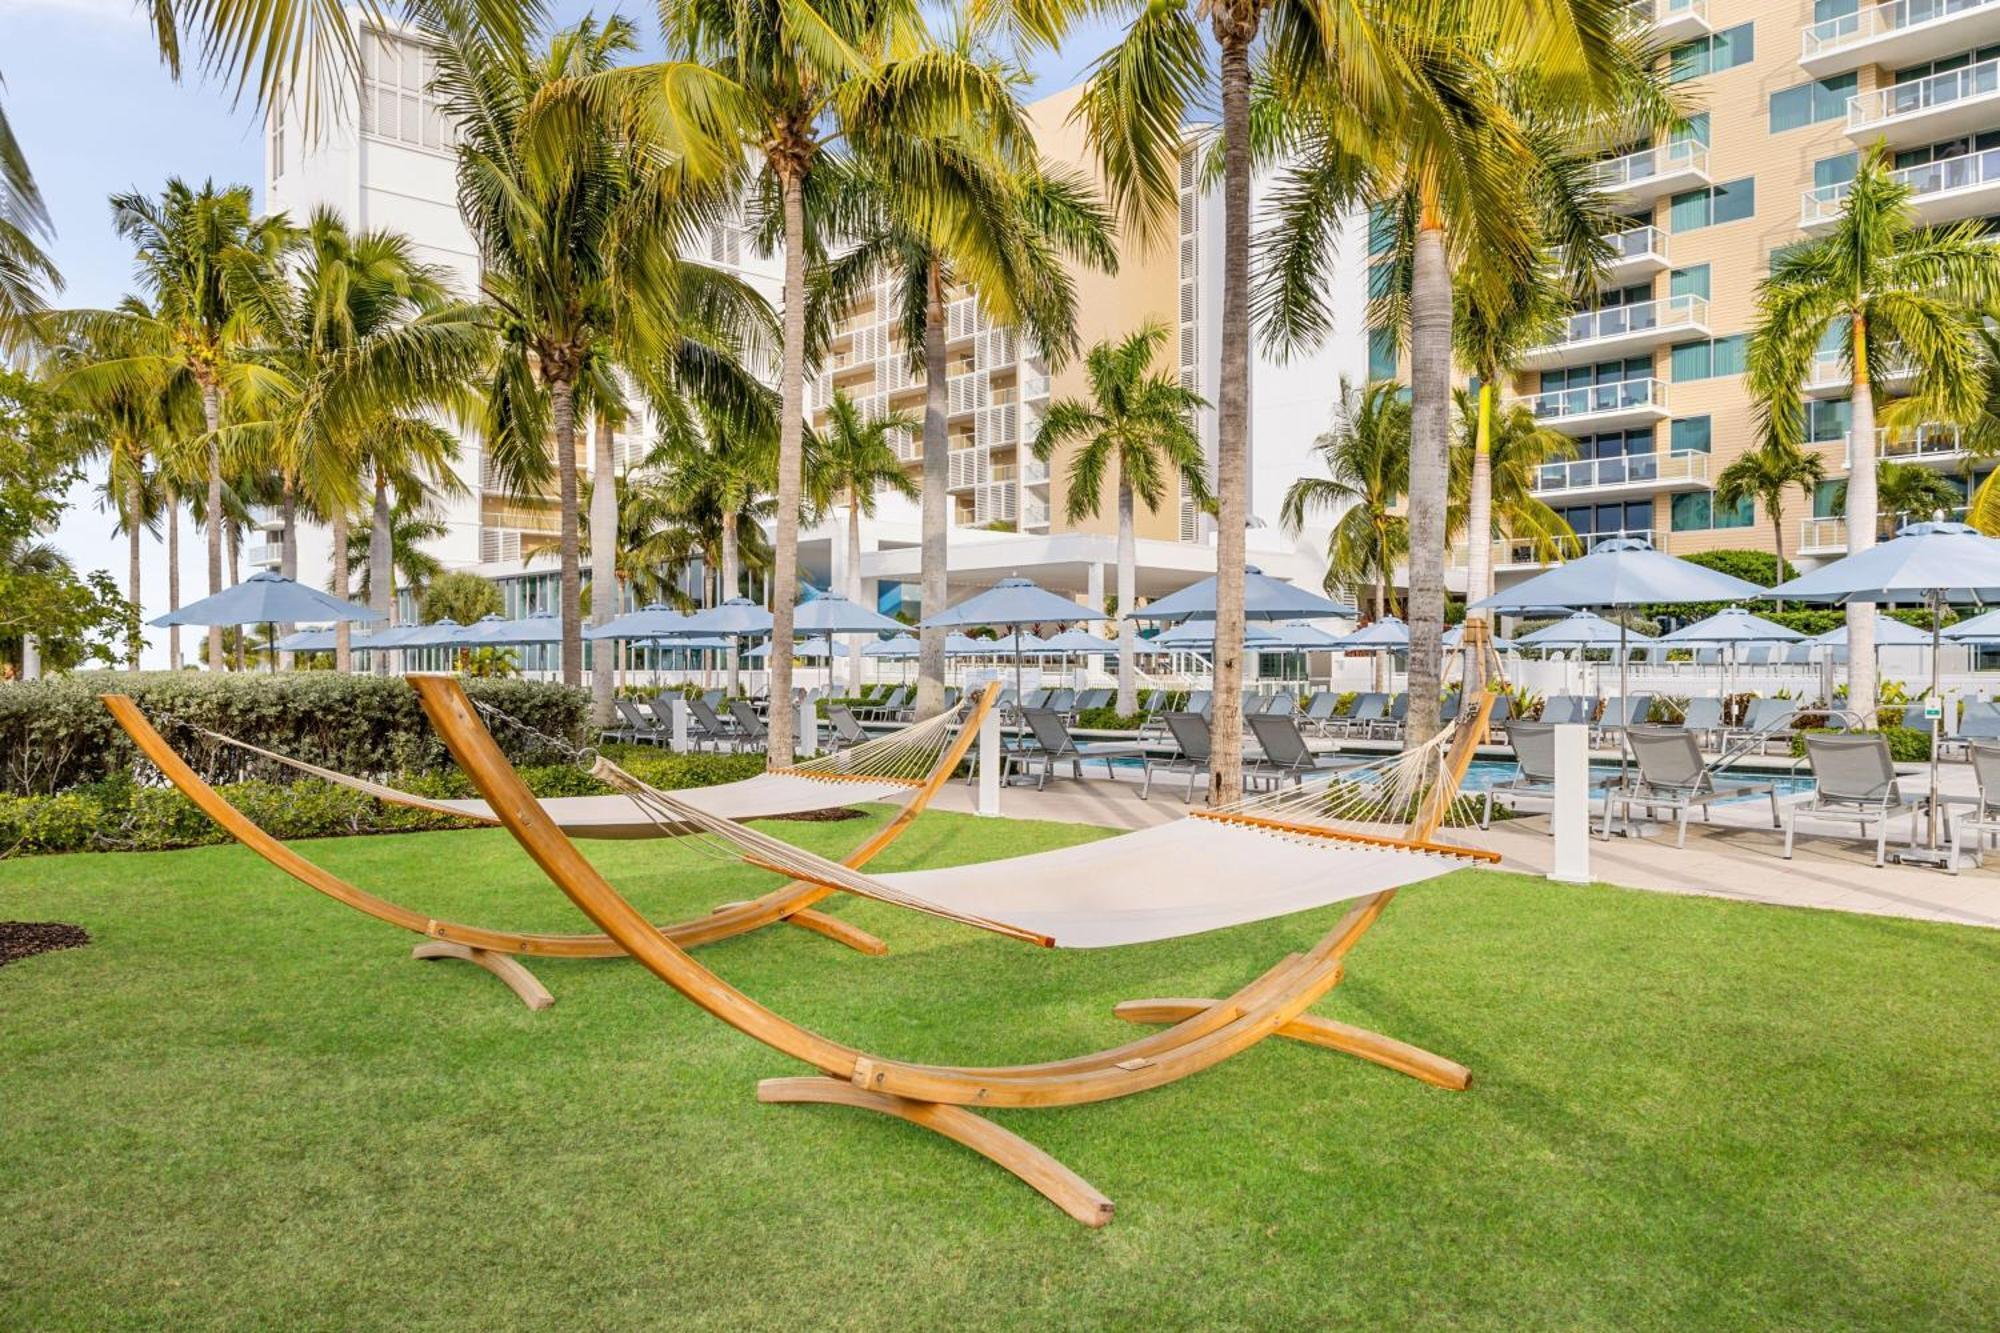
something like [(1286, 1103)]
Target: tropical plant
[(856, 463), (458, 595), (26, 272), (1904, 493), (1366, 456), (1139, 424), (719, 487), (413, 524), (1894, 297), (1514, 450), (1762, 476)]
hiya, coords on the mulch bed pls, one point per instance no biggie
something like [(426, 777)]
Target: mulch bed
[(25, 939), (833, 816)]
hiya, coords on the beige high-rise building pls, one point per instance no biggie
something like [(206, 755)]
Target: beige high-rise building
[(1650, 380)]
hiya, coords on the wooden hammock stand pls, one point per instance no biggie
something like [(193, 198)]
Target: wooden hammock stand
[(496, 950), (1204, 1032)]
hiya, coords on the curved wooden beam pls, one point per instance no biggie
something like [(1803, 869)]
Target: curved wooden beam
[(1316, 1031), (504, 966), (1044, 1174)]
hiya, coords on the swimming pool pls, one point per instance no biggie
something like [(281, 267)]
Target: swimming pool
[(1485, 773)]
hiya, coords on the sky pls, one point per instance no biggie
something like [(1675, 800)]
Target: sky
[(97, 113)]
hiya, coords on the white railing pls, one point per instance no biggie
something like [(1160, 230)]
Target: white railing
[(1616, 321), (1929, 178), (266, 553), (1034, 471), (1872, 21), (1579, 474), (1637, 242), (1035, 514), (1937, 440), (1513, 552), (1819, 535), (1622, 173), (1904, 99), (1829, 371), (1595, 399)]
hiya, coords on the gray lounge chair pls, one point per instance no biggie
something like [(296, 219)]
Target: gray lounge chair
[(1702, 718), (1390, 725), (1367, 711), (1051, 744), (1983, 820), (847, 729), (750, 733), (1855, 782), (1568, 709), (1674, 777), (1768, 720), (1282, 704), (1198, 702), (1534, 746), (1192, 743), (1287, 757), (637, 727), (706, 726), (1979, 722), (1621, 715), (1319, 714)]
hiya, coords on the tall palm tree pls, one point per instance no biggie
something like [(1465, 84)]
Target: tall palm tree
[(1366, 455), (1904, 493), (856, 464), (410, 460), (1516, 448), (413, 525), (26, 272), (1762, 476), (799, 85), (1139, 422), (721, 485), (1893, 294)]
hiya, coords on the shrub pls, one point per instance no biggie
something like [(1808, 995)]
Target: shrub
[(1109, 719), (55, 734), (1907, 745)]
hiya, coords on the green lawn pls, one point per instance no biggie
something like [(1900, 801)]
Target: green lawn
[(245, 1106)]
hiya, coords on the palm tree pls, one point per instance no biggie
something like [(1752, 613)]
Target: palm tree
[(1517, 447), (412, 524), (720, 485), (1762, 476), (25, 271), (1904, 492), (857, 463), (1894, 295), (1140, 422), (410, 459), (1366, 455)]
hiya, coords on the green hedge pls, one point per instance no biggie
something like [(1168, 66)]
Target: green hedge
[(1907, 745), (55, 734), (121, 815)]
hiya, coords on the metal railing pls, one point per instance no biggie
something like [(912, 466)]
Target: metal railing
[(1635, 242), (1937, 440), (1616, 321), (1622, 470), (1595, 399), (1621, 173), (1872, 21), (1929, 178), (1904, 99), (1822, 534)]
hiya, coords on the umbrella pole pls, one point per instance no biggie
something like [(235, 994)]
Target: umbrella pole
[(1937, 722), (1624, 705)]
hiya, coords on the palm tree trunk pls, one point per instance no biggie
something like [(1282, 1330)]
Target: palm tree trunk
[(603, 567), (1430, 445), (1232, 451), (211, 410), (853, 588), (173, 574), (1128, 593), (135, 500), (791, 463), (1861, 520), (1479, 528), (562, 398), (934, 537), (235, 577), (380, 534), (728, 589), (343, 641), (1777, 546), (288, 557)]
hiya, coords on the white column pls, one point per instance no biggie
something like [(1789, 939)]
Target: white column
[(989, 763), (1094, 590), (1570, 820), (807, 731), (31, 657), (677, 710)]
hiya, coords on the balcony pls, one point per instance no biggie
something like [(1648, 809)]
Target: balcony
[(1034, 472), (1946, 191), (1960, 101), (265, 555), (1624, 474), (1035, 513), (1511, 554), (1594, 407), (1935, 444), (963, 471), (1653, 173), (1823, 536), (1621, 330), (1829, 377), (1636, 253), (1902, 33)]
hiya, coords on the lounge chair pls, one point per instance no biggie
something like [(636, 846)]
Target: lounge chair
[(1287, 757), (1094, 698), (1320, 711), (1673, 776), (1390, 725), (1036, 699), (1062, 702), (1768, 720), (1979, 722), (1198, 702), (1534, 746), (1855, 782), (1192, 749), (750, 732), (1568, 709), (1702, 718), (888, 707), (1983, 820), (638, 728), (1367, 711), (1282, 704), (847, 729), (709, 728), (1052, 744), (1621, 715)]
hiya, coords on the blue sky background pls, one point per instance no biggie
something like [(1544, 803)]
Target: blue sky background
[(97, 113)]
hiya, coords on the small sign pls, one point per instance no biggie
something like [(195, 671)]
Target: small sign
[(1933, 710)]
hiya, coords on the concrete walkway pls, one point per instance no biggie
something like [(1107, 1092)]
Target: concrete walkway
[(1739, 856)]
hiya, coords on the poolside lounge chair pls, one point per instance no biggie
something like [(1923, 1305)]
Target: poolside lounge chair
[(638, 728), (1979, 722), (1390, 725), (751, 734), (1062, 702), (1983, 820), (1198, 702), (1320, 711), (1568, 709), (1037, 699), (1367, 711), (1192, 750), (1855, 782), (1768, 720), (1534, 746), (887, 707), (1051, 744), (1287, 757), (1674, 777), (1282, 704), (847, 730), (1702, 718), (1094, 698), (1621, 715), (706, 726)]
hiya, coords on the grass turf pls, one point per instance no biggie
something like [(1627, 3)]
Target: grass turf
[(244, 1105)]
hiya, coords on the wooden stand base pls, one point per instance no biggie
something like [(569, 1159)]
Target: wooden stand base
[(504, 966), (819, 923), (1371, 1046)]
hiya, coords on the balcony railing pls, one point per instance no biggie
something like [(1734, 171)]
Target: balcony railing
[(1622, 470), (1615, 321), (1621, 173), (1903, 99), (1516, 552), (1819, 535), (1931, 441), (269, 554), (1930, 178), (1034, 471), (1637, 243), (1598, 399), (1871, 21)]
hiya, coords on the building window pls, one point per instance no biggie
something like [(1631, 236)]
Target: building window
[(1708, 359), (1588, 521), (1828, 420), (1706, 207), (1713, 54), (1382, 359), (1835, 170), (1696, 511), (1811, 103), (1834, 9), (1693, 130), (1691, 281), (1689, 435), (396, 102), (1381, 230), (1380, 278)]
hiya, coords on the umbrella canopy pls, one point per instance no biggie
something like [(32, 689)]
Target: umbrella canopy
[(1624, 571), (964, 645), (1984, 628), (1889, 632), (494, 630), (1013, 602), (1457, 632), (1584, 629), (1387, 633), (397, 636), (1264, 598), (737, 616), (308, 641), (1732, 624), (1951, 562), (834, 614), (1306, 638), (813, 650), (1201, 634), (445, 633), (655, 620), (902, 646), (1071, 643), (267, 598)]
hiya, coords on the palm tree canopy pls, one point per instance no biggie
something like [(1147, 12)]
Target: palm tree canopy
[(1366, 456), (855, 459), (1138, 421)]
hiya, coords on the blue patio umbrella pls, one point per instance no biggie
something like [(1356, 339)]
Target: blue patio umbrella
[(1889, 633), (1389, 634), (1454, 636), (1264, 598), (902, 646), (443, 634), (1982, 628), (1306, 638), (396, 636), (655, 620), (1194, 634), (738, 617), (814, 650), (1013, 602), (306, 641), (496, 630), (1580, 629), (266, 599), (1732, 624), (964, 645), (1073, 643), (1933, 563)]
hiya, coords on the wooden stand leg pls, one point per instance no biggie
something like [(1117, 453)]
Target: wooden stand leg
[(1371, 1046), (504, 966), (819, 923), (1039, 1171)]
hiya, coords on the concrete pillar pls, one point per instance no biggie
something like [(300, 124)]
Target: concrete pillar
[(1570, 821), (1094, 589), (31, 657), (989, 764), (677, 710)]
